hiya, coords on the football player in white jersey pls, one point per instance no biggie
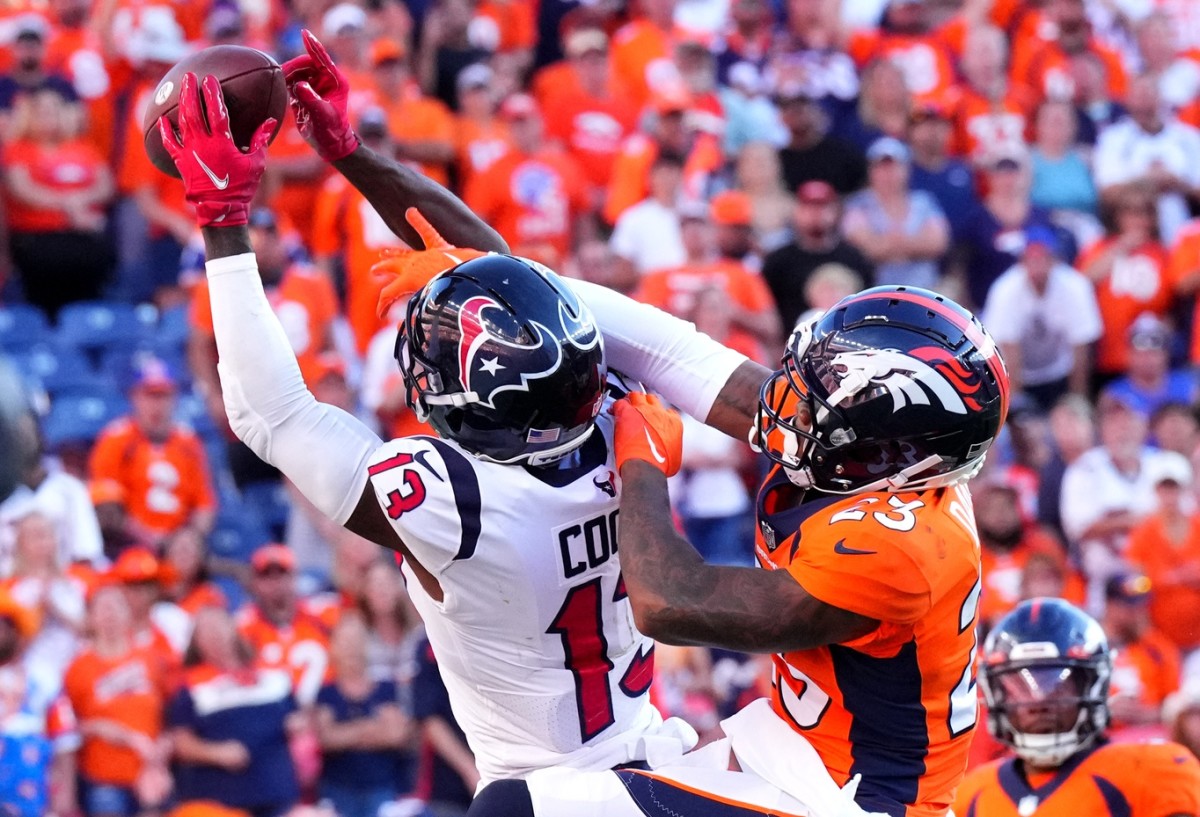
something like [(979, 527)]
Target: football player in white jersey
[(507, 522)]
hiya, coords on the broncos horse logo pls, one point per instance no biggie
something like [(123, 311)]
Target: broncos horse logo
[(484, 370), (912, 378)]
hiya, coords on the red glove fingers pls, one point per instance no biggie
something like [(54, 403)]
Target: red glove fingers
[(319, 100)]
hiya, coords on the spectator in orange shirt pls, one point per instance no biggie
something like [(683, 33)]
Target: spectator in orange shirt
[(422, 129), (117, 694), (1184, 273), (991, 113), (1129, 269), (641, 49), (1145, 664), (481, 137), (186, 572), (29, 72), (159, 627), (75, 50), (535, 196), (283, 629), (157, 465), (1043, 55), (58, 187), (585, 108), (1166, 547), (906, 36)]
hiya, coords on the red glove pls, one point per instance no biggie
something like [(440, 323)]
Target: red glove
[(319, 93), (218, 178), (412, 269), (647, 430)]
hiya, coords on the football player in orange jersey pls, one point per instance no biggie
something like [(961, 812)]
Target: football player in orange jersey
[(1045, 673)]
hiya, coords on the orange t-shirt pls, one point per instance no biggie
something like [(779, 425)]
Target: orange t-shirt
[(531, 201), (477, 146), (203, 595), (1002, 574), (413, 116), (345, 224), (163, 483), (128, 690), (1174, 605), (675, 290), (1184, 263), (78, 54), (302, 647), (66, 168), (1138, 283), (983, 128), (1039, 64), (592, 129), (630, 180), (305, 304), (1147, 669), (513, 21), (899, 704), (1111, 778), (640, 55), (927, 60)]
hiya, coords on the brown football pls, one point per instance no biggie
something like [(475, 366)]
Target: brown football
[(251, 81)]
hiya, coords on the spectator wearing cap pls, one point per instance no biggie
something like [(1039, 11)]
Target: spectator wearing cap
[(361, 729), (811, 153), (749, 114), (902, 231), (934, 170), (1044, 316), (648, 236), (344, 34), (1146, 667), (157, 465), (1150, 146), (230, 723), (1062, 179), (994, 238), (159, 627), (448, 44), (817, 240), (303, 299), (990, 112), (884, 106), (1129, 270), (348, 233), (422, 129), (586, 109), (535, 195), (757, 173), (117, 691), (37, 736), (672, 130), (28, 72), (1181, 715), (1109, 490), (58, 188), (1166, 547), (481, 136), (283, 629), (753, 322), (1149, 383), (47, 489)]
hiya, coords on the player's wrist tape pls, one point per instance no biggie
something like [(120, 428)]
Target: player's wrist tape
[(230, 264)]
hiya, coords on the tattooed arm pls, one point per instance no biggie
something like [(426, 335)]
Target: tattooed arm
[(678, 599)]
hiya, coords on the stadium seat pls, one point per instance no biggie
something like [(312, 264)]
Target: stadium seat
[(81, 418), (269, 501), (22, 327), (60, 371), (236, 532), (98, 325), (173, 328)]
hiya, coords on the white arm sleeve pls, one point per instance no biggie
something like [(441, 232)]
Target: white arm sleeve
[(320, 448), (668, 355)]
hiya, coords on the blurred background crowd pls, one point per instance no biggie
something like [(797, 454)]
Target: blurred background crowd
[(180, 631)]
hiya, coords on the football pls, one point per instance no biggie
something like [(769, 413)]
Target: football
[(251, 81)]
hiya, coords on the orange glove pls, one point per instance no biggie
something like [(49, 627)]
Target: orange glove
[(412, 269), (648, 430)]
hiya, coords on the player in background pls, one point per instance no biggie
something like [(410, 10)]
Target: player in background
[(1045, 672), (507, 523), (885, 406)]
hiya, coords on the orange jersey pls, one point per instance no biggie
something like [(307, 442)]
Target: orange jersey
[(1146, 670), (675, 291), (163, 483), (1184, 264), (1137, 283), (592, 129), (302, 646), (512, 20), (304, 302), (630, 181), (78, 54), (478, 145), (1002, 574), (1134, 779), (1175, 602), (927, 60), (345, 223), (897, 706), (1039, 64), (127, 690), (531, 200), (66, 168), (414, 117), (985, 127), (640, 54)]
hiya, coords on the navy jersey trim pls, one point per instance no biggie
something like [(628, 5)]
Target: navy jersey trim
[(659, 797), (591, 455), (1012, 780), (889, 733), (785, 523), (1114, 800), (465, 484)]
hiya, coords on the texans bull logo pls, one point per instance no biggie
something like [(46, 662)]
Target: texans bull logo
[(486, 372)]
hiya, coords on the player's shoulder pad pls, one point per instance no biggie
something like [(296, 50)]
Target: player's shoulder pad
[(430, 491)]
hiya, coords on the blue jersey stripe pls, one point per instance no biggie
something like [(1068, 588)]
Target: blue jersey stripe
[(466, 496)]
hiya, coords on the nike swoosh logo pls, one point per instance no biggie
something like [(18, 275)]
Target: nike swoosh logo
[(653, 450), (841, 548), (220, 184), (421, 458)]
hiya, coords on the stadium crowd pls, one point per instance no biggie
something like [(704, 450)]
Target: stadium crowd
[(180, 631)]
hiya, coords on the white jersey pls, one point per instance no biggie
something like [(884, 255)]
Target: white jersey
[(534, 637)]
